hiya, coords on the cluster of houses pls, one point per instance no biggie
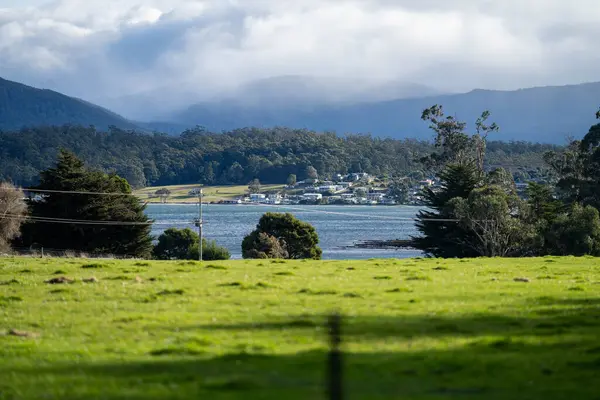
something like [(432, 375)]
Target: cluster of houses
[(355, 188)]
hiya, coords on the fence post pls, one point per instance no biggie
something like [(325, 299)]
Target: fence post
[(334, 381)]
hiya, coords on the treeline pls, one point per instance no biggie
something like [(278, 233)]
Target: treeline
[(477, 212), (82, 210), (235, 157)]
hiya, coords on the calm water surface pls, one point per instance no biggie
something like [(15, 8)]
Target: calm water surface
[(339, 227)]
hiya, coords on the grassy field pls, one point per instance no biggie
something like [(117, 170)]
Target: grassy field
[(179, 193), (413, 329)]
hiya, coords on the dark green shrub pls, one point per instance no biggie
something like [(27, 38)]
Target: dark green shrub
[(211, 251), (277, 234), (182, 244)]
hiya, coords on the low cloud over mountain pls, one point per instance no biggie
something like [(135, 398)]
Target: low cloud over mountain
[(185, 51)]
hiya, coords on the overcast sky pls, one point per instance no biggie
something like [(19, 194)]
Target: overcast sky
[(110, 48)]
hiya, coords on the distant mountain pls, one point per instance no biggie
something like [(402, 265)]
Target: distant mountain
[(541, 114), (310, 91), (22, 105), (279, 92)]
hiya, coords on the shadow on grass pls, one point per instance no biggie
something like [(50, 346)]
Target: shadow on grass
[(550, 317), (548, 356), (483, 370)]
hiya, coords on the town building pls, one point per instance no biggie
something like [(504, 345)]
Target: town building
[(312, 196), (257, 197)]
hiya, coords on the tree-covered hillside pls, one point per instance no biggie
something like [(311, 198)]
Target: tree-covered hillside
[(22, 105), (234, 157)]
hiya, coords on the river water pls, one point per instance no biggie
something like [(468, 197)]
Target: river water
[(338, 227)]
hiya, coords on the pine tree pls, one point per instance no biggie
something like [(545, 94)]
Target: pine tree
[(70, 175), (441, 235)]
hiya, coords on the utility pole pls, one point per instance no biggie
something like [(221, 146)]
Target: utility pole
[(200, 193)]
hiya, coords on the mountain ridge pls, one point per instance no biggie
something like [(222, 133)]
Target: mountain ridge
[(545, 114), (22, 106)]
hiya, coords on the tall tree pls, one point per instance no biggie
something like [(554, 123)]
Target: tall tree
[(494, 218), (503, 179), (291, 180), (575, 233), (111, 223), (12, 212), (399, 190), (311, 172), (441, 233), (254, 186), (543, 206), (455, 145), (163, 194), (578, 169)]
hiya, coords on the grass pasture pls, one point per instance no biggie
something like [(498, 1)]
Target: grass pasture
[(414, 329), (180, 193)]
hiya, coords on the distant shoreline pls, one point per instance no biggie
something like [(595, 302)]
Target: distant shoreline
[(170, 203), (385, 244)]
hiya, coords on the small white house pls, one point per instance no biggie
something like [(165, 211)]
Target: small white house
[(312, 196), (327, 188), (357, 176), (274, 199), (257, 197)]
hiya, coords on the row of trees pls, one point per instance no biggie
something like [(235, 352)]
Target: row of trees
[(478, 213), (235, 157), (74, 208)]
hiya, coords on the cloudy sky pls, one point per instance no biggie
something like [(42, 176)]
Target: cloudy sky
[(102, 49)]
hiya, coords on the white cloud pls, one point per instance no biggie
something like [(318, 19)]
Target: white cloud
[(99, 49)]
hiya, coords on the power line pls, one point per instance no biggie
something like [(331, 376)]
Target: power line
[(32, 190), (87, 222)]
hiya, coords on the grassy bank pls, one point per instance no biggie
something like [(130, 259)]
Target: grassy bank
[(414, 329), (180, 193)]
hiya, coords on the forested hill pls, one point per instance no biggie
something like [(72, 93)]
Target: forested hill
[(233, 157), (22, 105)]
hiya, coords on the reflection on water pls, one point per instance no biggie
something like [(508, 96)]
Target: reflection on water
[(338, 226)]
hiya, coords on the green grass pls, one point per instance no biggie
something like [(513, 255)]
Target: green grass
[(413, 329), (179, 193)]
